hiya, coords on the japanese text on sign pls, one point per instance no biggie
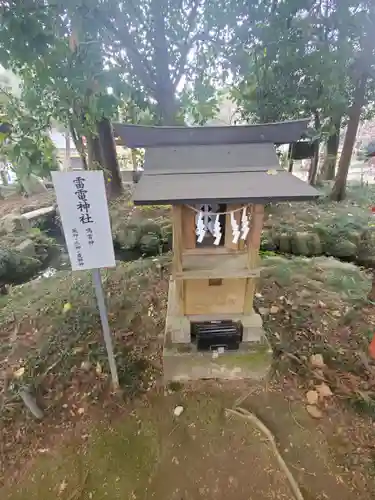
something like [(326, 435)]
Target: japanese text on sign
[(84, 214)]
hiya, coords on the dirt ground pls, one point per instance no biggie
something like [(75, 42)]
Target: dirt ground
[(16, 203), (143, 451), (92, 445)]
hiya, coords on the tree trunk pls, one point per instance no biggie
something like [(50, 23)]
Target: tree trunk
[(329, 166), (164, 91), (315, 159), (136, 174), (4, 177), (67, 163), (339, 188), (78, 143), (314, 165), (109, 158), (167, 108), (94, 155), (290, 159)]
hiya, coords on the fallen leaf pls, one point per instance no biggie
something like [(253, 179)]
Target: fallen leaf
[(319, 374), (364, 395), (18, 373), (62, 486), (98, 368), (324, 390), (313, 411), (67, 307), (337, 314), (86, 365), (317, 361), (178, 410), (312, 397), (81, 411), (371, 349)]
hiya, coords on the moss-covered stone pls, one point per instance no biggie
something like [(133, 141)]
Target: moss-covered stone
[(143, 235), (323, 227), (344, 249), (15, 267), (23, 254), (13, 223), (285, 244), (127, 237), (268, 242), (299, 244), (149, 244), (315, 245)]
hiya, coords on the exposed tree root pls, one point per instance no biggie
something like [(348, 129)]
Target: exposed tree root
[(241, 412)]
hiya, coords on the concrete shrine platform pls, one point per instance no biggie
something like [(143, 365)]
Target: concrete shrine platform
[(183, 362)]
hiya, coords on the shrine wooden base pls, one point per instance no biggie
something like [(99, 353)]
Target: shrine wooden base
[(183, 362)]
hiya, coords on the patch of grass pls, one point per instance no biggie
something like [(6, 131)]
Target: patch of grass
[(149, 453), (57, 324), (322, 307), (116, 465), (333, 278)]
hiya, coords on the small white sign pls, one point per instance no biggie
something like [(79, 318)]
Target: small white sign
[(83, 207)]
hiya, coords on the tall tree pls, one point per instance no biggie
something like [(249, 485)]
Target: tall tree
[(339, 187), (26, 145), (328, 170), (362, 72), (297, 62), (166, 45), (57, 51), (69, 53)]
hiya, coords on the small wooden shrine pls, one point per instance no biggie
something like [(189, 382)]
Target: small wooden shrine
[(217, 180)]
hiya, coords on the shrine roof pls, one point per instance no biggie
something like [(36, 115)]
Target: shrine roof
[(138, 136), (236, 173)]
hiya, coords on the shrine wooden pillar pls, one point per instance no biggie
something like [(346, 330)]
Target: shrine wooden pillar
[(253, 260), (177, 227)]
